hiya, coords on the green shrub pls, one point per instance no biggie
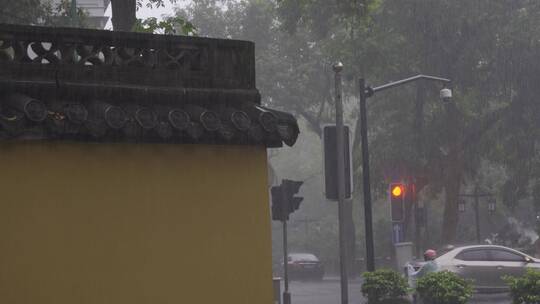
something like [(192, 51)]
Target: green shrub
[(525, 289), (383, 285), (443, 288)]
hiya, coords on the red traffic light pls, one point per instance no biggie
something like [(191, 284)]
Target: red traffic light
[(397, 190)]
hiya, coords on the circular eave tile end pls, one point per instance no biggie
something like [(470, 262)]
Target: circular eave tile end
[(146, 118), (288, 133), (115, 117), (35, 110), (241, 120), (268, 121), (210, 121), (179, 119)]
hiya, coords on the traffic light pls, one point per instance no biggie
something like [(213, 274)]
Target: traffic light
[(291, 188), (284, 201), (398, 192), (330, 162)]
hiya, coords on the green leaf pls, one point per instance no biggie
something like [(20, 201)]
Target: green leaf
[(384, 284), (168, 26), (444, 288), (525, 289)]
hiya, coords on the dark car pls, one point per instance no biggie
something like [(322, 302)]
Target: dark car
[(304, 266)]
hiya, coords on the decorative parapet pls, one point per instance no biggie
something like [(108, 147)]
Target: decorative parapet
[(78, 84)]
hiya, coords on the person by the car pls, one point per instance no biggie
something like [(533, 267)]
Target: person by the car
[(430, 266)]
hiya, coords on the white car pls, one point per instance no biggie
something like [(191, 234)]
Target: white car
[(486, 265)]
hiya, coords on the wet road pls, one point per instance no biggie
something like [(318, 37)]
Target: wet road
[(328, 292), (491, 298)]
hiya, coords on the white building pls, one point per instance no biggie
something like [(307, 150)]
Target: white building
[(95, 10)]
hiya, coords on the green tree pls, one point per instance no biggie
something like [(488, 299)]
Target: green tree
[(471, 42), (23, 11), (124, 19), (481, 45), (38, 12)]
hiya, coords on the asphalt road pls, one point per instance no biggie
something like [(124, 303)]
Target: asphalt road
[(328, 292), (491, 298)]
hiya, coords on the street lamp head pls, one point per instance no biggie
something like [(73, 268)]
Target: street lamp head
[(338, 67), (446, 94)]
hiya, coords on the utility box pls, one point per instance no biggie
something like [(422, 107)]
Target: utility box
[(404, 254), (277, 290)]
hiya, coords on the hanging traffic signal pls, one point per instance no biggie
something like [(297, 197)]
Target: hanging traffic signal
[(397, 201), (284, 201), (291, 188)]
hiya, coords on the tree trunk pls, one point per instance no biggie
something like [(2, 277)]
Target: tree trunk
[(124, 14), (452, 188), (454, 168)]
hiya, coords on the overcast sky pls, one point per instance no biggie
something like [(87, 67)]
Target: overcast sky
[(145, 12)]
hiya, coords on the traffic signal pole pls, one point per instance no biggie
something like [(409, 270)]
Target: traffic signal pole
[(340, 150), (368, 220), (419, 241), (284, 217), (365, 93), (286, 293), (284, 202)]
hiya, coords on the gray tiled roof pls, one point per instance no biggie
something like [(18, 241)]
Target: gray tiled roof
[(79, 84)]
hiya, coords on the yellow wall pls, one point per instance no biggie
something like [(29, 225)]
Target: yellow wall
[(127, 223)]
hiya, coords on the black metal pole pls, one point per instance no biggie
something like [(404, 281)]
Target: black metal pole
[(477, 215), (286, 293), (284, 217), (407, 80), (340, 150), (370, 254), (364, 91), (419, 131)]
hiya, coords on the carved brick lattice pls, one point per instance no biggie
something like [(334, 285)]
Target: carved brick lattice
[(134, 59), (180, 57)]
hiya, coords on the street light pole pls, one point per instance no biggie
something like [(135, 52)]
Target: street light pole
[(340, 150), (368, 221), (365, 93)]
